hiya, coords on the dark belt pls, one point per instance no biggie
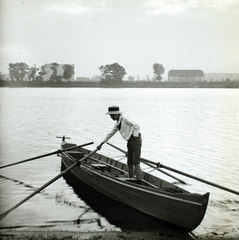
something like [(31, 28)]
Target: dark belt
[(132, 136)]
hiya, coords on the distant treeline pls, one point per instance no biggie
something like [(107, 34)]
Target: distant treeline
[(123, 84), (57, 73)]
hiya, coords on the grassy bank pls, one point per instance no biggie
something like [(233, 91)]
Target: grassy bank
[(124, 84)]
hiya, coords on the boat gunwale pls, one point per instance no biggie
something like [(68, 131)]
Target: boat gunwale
[(198, 206), (155, 191)]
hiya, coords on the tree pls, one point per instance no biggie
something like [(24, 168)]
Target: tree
[(12, 72), (18, 71), (113, 73), (68, 71), (158, 71), (33, 72)]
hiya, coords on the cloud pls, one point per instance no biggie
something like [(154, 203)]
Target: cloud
[(14, 53), (178, 6), (134, 33), (165, 7), (72, 9), (12, 49)]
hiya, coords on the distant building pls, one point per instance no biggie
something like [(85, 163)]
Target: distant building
[(186, 76), (220, 77), (5, 77), (96, 78), (60, 71), (131, 79), (83, 79)]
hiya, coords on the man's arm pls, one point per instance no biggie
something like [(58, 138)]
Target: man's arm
[(108, 136)]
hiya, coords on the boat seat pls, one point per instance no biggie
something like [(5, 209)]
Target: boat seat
[(129, 179), (68, 145), (99, 166), (123, 176), (76, 154)]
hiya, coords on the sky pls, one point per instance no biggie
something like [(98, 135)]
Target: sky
[(179, 34)]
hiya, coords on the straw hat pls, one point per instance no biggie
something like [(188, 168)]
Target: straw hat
[(114, 110)]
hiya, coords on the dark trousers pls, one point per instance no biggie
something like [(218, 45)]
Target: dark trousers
[(134, 150)]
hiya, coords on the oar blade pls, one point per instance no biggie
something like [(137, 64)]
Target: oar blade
[(3, 215)]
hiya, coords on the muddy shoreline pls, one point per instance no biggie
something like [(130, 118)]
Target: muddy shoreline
[(16, 234)]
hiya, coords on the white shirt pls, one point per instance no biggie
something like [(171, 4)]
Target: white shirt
[(127, 129)]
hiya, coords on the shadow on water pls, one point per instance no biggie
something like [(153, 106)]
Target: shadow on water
[(120, 215)]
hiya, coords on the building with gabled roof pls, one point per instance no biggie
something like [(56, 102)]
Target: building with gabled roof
[(186, 76)]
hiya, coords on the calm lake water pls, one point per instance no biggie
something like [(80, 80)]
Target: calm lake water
[(193, 130)]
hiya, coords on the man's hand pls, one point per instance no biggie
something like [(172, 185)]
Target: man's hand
[(99, 147)]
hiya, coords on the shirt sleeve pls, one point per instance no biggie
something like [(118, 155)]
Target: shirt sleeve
[(111, 134)]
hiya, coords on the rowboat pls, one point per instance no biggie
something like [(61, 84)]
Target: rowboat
[(154, 196)]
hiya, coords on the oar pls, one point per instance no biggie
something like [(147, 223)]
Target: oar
[(199, 179), (3, 215), (147, 162), (159, 165), (45, 155), (150, 165)]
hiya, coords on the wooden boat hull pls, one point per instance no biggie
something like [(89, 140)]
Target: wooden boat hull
[(178, 207)]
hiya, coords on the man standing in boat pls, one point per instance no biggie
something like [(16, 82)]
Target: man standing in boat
[(130, 132)]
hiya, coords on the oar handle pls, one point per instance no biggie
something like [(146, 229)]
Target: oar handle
[(121, 150), (3, 215), (145, 160), (74, 147), (149, 163), (159, 165), (46, 155), (152, 166)]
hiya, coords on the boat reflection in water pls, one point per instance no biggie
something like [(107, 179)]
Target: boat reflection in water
[(120, 215)]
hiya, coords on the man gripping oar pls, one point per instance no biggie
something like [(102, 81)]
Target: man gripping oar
[(130, 132)]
